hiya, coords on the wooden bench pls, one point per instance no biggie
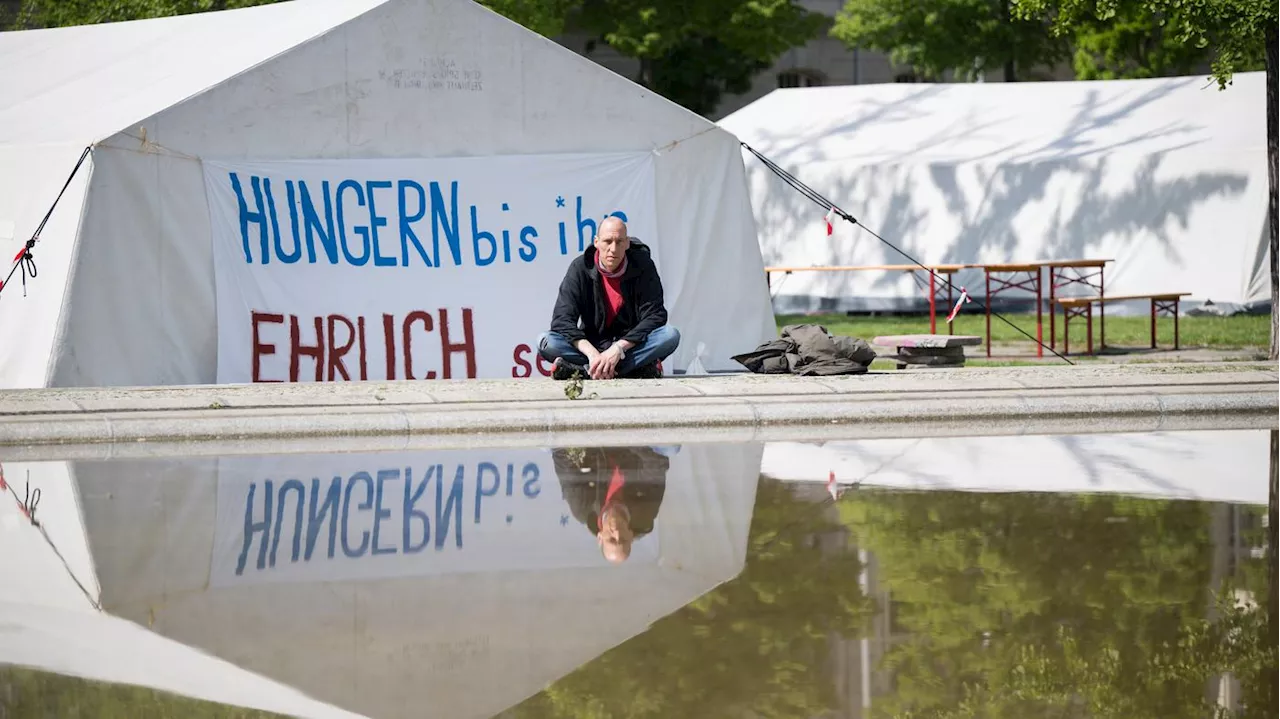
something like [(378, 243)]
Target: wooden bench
[(927, 350), (1078, 306)]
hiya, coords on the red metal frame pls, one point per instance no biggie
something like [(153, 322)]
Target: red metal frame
[(1086, 310), (1031, 284), (1059, 278), (1067, 313)]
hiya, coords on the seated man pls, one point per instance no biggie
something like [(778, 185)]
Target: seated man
[(609, 319)]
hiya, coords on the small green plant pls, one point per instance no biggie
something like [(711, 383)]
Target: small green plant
[(573, 387)]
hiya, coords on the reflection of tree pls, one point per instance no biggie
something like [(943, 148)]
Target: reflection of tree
[(33, 693), (755, 646), (1052, 605)]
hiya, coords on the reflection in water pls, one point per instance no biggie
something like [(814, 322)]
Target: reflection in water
[(34, 694), (984, 603), (448, 583), (703, 580), (615, 492)]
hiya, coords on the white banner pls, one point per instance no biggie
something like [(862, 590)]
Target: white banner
[(374, 516), (405, 269)]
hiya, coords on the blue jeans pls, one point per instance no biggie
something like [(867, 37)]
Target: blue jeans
[(657, 346)]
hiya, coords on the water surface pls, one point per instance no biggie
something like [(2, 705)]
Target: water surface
[(1059, 576)]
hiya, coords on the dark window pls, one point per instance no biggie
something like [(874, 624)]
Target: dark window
[(799, 78)]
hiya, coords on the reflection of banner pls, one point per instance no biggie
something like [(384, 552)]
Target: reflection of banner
[(387, 269), (411, 634), (353, 516)]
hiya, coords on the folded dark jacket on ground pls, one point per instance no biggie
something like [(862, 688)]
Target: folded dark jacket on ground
[(809, 350)]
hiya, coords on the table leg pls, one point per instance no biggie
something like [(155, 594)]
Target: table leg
[(933, 305), (1175, 324), (1153, 324), (1066, 330), (988, 274), (1053, 285), (1102, 310), (1088, 327), (1039, 316)]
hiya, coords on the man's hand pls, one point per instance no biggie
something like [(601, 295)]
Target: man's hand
[(605, 364)]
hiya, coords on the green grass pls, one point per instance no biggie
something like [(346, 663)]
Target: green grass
[(1240, 332)]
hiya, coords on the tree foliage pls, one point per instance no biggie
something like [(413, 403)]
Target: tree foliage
[(1055, 605), (998, 606), (60, 13), (695, 51), (690, 51), (1135, 43), (754, 646), (1232, 32), (966, 37), (545, 17), (28, 692), (1106, 39)]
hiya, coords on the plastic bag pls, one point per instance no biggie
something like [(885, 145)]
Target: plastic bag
[(695, 367)]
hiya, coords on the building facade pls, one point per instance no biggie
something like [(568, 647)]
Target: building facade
[(823, 60)]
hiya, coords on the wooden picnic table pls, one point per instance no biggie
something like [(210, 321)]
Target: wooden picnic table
[(1077, 306), (933, 290), (1085, 271), (1004, 276), (1060, 275)]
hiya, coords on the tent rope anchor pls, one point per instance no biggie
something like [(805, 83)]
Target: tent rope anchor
[(24, 259)]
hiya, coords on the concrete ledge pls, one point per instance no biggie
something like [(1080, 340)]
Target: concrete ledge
[(102, 422)]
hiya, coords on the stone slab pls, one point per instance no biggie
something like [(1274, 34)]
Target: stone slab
[(130, 422), (933, 341)]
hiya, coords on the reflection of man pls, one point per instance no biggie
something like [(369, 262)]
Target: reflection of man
[(614, 491), (609, 318)]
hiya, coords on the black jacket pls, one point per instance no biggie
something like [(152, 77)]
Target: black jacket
[(582, 298), (585, 473)]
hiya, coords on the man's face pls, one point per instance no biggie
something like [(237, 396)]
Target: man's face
[(615, 535), (612, 243)]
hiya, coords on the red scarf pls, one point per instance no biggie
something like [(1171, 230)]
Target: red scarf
[(616, 483), (612, 282)]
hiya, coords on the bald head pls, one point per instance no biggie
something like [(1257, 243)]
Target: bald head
[(613, 225), (615, 536), (612, 242)]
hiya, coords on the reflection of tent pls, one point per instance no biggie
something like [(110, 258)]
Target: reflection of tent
[(457, 630), (126, 289), (49, 622), (1168, 177), (1215, 466)]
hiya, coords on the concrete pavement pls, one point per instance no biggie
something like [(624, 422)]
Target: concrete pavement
[(234, 419)]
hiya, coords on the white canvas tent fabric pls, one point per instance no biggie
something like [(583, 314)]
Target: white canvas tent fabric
[(126, 293), (1167, 177), (1213, 466), (453, 631), (50, 622)]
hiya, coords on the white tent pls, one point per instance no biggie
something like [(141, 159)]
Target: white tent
[(1207, 466), (366, 616), (1167, 177), (440, 165)]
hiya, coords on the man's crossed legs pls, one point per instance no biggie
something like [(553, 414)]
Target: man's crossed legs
[(641, 360)]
